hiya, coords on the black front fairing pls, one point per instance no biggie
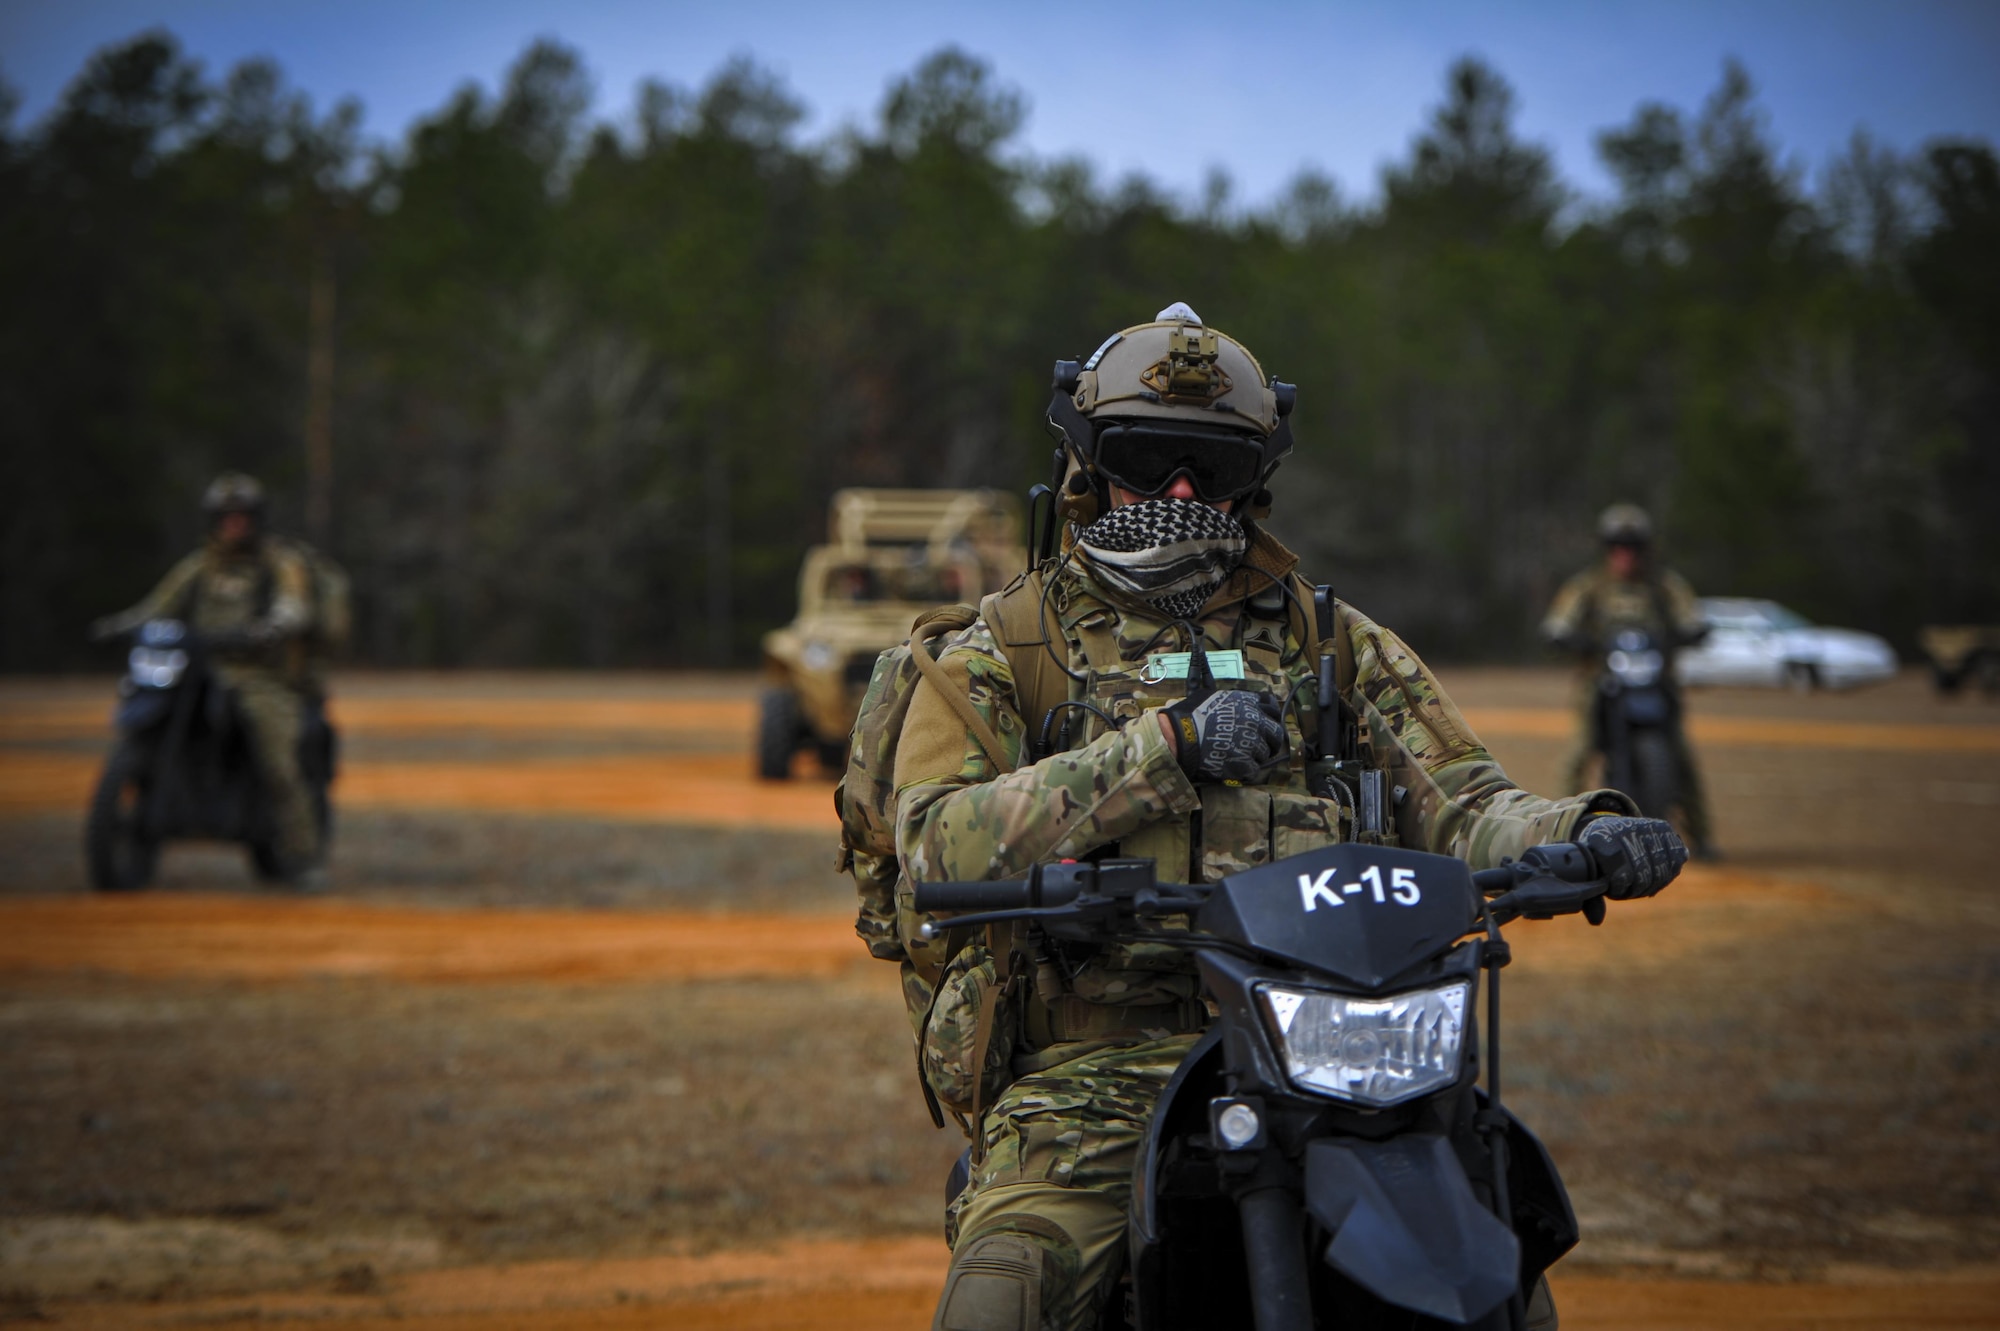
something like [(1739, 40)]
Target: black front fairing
[(1399, 1201), (1359, 915)]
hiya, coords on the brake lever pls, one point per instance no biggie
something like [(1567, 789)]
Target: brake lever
[(1543, 897)]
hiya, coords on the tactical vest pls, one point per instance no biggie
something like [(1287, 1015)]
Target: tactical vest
[(1612, 603), (988, 1009)]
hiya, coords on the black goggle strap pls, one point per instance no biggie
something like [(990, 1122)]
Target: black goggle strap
[(1069, 425)]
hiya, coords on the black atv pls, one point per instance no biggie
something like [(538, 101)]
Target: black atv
[(183, 766)]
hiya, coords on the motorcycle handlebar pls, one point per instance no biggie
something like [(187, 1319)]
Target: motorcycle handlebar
[(1045, 885), (932, 898), (1546, 880), (1564, 860)]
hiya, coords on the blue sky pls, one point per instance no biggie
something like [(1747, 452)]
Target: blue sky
[(1168, 88)]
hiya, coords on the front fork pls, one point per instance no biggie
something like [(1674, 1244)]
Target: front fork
[(1274, 1244)]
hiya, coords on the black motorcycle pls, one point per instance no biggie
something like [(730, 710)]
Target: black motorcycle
[(1324, 1156), (183, 768), (1637, 713)]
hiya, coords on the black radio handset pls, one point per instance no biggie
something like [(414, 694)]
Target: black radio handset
[(1200, 678)]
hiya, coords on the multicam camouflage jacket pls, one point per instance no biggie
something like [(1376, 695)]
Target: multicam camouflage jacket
[(1597, 602), (959, 817), (217, 590)]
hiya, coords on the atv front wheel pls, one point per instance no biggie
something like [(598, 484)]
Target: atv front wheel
[(120, 854), (778, 733)]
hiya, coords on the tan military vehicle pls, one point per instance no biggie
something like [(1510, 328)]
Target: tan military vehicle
[(1962, 652), (891, 555)]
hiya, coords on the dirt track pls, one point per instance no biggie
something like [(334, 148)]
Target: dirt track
[(893, 1284), (224, 1106)]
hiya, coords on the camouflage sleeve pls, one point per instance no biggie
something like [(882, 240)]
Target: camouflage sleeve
[(1566, 612), (1453, 798), (291, 594), (163, 602), (958, 819), (1689, 624)]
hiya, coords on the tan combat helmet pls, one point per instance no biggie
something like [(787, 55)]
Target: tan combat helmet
[(233, 492), (1624, 524), (1166, 399)]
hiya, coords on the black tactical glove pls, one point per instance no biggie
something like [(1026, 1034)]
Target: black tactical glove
[(1231, 735), (1636, 857)]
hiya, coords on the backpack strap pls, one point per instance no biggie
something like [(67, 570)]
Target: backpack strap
[(1018, 616), (921, 636)]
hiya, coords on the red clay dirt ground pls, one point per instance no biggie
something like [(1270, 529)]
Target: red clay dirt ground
[(582, 1037)]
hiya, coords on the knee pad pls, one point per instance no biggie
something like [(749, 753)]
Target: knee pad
[(995, 1284)]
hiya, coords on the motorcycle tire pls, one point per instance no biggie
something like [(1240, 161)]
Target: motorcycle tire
[(1653, 786), (265, 863), (120, 857), (778, 730)]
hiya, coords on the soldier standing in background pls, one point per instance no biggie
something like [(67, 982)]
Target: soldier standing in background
[(1172, 432), (1627, 591), (249, 594)]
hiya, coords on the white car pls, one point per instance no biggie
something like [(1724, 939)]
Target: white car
[(1762, 643)]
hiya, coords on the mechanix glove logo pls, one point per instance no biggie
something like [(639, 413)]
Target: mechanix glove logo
[(1232, 736)]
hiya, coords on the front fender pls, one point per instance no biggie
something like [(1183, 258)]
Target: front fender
[(1407, 1228)]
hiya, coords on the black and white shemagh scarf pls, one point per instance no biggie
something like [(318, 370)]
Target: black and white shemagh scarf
[(1170, 553)]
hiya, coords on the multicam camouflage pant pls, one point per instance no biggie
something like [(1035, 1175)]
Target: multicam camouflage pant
[(1583, 752), (274, 714), (1060, 1147)]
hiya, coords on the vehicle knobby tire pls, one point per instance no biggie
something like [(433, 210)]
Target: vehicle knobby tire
[(120, 858), (778, 730)]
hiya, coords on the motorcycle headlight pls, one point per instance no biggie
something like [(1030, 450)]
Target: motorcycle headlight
[(156, 669), (1371, 1051)]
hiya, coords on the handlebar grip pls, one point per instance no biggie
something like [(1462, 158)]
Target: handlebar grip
[(1004, 894), (1563, 860)]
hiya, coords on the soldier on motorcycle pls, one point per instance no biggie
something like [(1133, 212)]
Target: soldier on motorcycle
[(1626, 590), (250, 594), (1172, 433)]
